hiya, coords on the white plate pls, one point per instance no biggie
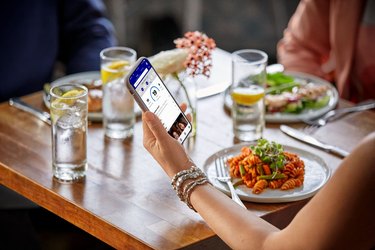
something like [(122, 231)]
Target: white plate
[(317, 174), (78, 78), (306, 114)]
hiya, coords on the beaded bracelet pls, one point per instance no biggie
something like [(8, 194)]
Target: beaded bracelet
[(187, 187), (183, 178), (181, 173), (183, 191), (190, 190), (179, 178)]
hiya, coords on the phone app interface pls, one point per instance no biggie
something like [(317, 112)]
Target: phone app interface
[(158, 100)]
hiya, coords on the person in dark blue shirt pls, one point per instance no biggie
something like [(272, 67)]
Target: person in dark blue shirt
[(37, 34), (35, 37)]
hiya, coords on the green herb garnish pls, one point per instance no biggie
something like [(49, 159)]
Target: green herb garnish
[(242, 170), (270, 153), (273, 176)]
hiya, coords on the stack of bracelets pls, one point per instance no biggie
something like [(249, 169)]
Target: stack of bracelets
[(196, 177)]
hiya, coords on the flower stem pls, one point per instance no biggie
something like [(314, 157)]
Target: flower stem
[(175, 75), (193, 109)]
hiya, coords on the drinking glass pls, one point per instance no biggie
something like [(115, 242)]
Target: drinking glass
[(118, 103), (247, 93), (69, 131)]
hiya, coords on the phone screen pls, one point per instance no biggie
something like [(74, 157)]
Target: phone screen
[(156, 97)]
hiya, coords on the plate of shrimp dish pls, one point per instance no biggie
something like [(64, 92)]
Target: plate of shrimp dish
[(294, 97)]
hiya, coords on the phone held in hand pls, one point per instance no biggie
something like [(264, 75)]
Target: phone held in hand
[(151, 94)]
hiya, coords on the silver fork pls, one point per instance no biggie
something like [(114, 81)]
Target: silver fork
[(332, 115), (223, 176)]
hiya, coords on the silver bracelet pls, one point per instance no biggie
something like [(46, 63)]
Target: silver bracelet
[(183, 178), (183, 191), (189, 190), (187, 187), (180, 176), (181, 173)]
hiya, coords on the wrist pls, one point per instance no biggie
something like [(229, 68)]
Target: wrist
[(173, 170), (185, 181)]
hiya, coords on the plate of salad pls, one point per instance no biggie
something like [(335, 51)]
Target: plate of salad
[(294, 96)]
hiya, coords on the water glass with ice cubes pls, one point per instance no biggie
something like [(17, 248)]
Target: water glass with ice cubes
[(118, 103), (68, 107)]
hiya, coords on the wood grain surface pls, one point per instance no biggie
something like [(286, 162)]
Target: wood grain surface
[(126, 199)]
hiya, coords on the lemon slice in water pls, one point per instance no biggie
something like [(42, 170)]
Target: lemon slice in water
[(72, 93), (248, 95), (58, 106), (114, 70)]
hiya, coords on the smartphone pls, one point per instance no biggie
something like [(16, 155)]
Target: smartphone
[(151, 94)]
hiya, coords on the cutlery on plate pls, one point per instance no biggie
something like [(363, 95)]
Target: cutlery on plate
[(223, 176), (337, 113), (42, 115), (296, 134)]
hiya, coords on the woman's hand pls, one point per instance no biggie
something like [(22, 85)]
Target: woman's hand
[(168, 152)]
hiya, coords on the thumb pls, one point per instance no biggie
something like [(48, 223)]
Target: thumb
[(155, 125)]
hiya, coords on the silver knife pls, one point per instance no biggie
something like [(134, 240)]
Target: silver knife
[(312, 141), (42, 115)]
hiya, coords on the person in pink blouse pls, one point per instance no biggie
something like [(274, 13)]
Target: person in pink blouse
[(333, 39)]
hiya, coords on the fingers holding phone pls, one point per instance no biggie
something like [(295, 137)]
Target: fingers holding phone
[(151, 94), (167, 151)]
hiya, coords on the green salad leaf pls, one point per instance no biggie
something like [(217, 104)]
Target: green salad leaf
[(294, 107), (316, 104), (278, 78), (281, 88), (279, 82)]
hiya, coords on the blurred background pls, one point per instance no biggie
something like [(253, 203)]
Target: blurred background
[(150, 26)]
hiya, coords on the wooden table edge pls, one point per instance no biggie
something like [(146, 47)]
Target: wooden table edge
[(108, 233)]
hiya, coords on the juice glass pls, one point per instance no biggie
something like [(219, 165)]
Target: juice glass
[(69, 131), (118, 103), (247, 93)]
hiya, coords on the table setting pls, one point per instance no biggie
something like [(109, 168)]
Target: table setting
[(120, 195)]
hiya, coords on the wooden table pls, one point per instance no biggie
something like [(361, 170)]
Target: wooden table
[(126, 199)]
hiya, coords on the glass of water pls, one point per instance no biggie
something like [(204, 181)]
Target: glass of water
[(118, 103), (247, 93), (68, 107)]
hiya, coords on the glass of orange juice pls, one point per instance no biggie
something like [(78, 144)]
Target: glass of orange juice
[(117, 103), (247, 92)]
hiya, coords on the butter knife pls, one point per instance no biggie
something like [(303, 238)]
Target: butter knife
[(296, 134), (42, 115)]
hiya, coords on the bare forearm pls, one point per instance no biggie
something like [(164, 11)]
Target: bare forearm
[(341, 214), (239, 228)]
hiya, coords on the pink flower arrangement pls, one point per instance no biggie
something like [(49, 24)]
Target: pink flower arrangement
[(191, 57), (199, 46)]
